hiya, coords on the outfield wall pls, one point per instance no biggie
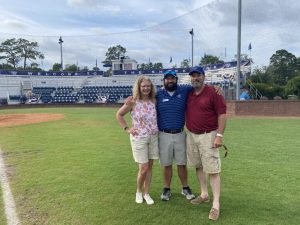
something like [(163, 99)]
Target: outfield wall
[(269, 108), (264, 108)]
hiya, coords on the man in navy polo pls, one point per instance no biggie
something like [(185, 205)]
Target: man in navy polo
[(171, 106)]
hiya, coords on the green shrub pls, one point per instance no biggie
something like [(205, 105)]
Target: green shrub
[(293, 87), (270, 90)]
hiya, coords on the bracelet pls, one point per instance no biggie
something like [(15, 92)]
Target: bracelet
[(219, 135), (125, 128)]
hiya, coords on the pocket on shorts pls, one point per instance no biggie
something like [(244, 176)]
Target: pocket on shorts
[(153, 147), (138, 142), (192, 148), (139, 149), (215, 153), (207, 140), (193, 155)]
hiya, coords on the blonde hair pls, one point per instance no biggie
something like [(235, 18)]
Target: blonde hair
[(137, 95)]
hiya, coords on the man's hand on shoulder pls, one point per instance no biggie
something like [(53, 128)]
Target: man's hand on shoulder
[(218, 90), (129, 101)]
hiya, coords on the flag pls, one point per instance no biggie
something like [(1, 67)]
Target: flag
[(192, 31), (171, 59), (249, 47)]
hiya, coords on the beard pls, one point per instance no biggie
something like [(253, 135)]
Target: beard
[(170, 86), (197, 84)]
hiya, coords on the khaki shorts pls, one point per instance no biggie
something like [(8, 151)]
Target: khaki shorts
[(144, 148), (201, 154), (172, 147)]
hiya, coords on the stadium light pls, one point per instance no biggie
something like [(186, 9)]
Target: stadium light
[(192, 34), (60, 41)]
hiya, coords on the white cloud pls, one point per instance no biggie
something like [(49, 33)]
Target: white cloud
[(151, 28), (13, 23)]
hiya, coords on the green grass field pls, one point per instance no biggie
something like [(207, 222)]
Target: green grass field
[(79, 170), (2, 215)]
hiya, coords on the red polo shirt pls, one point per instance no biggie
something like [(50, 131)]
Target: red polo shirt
[(203, 110)]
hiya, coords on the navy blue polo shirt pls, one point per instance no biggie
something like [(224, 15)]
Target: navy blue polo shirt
[(171, 109)]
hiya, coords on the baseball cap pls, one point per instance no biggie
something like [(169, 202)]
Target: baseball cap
[(197, 69), (170, 72)]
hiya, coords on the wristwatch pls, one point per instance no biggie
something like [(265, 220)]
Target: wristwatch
[(125, 128)]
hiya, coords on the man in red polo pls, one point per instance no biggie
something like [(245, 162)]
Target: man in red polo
[(206, 121)]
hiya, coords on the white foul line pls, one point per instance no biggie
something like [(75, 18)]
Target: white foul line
[(9, 204)]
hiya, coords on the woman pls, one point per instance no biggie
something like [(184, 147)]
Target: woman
[(143, 133)]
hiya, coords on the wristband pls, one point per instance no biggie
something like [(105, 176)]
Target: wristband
[(219, 135)]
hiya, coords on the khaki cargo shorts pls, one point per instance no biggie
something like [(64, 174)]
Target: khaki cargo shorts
[(144, 148), (200, 153)]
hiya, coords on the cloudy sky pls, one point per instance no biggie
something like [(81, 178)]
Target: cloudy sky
[(152, 30)]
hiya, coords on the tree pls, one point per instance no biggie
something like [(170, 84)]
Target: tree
[(96, 68), (150, 66), (260, 75), (15, 50), (158, 66), (283, 66), (34, 66), (56, 67), (243, 57), (298, 65), (142, 66), (115, 52), (10, 52), (85, 68), (293, 86), (71, 67), (270, 90), (185, 63), (210, 59), (6, 66), (29, 50)]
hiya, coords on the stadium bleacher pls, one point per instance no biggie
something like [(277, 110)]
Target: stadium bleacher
[(90, 87), (43, 93)]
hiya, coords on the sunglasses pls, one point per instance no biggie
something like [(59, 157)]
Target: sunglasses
[(226, 150)]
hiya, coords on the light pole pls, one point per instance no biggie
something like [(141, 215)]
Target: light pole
[(238, 66), (192, 33), (60, 41)]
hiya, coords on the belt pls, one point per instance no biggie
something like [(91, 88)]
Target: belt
[(171, 131), (201, 131)]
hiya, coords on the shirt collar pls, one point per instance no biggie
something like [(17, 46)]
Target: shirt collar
[(194, 92)]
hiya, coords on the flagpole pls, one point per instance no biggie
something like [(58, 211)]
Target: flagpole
[(238, 66), (193, 49), (192, 33), (250, 48), (250, 54)]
